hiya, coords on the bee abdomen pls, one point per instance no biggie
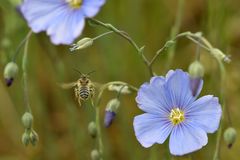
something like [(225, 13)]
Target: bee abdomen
[(84, 93)]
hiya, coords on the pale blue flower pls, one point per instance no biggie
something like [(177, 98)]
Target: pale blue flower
[(172, 110), (63, 20)]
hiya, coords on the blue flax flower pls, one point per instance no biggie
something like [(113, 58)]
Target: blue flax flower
[(63, 20), (171, 109)]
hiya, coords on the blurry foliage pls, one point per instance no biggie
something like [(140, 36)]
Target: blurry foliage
[(62, 127)]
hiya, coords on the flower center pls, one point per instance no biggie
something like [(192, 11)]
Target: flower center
[(176, 116), (75, 4)]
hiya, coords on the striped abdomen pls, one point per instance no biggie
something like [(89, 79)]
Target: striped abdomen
[(84, 92)]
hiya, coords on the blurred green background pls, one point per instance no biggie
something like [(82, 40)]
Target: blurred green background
[(62, 127)]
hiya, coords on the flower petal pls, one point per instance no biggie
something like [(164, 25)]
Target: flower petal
[(178, 85), (186, 138), (153, 98), (91, 7), (67, 29), (206, 113), (150, 129), (42, 13)]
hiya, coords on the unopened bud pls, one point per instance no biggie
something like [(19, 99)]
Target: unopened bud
[(92, 129), (230, 135), (119, 88), (113, 105), (33, 137), (10, 72), (81, 44), (26, 138), (27, 120), (195, 85), (111, 111), (220, 55), (196, 69), (95, 155)]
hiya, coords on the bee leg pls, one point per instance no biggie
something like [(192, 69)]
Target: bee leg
[(79, 101), (77, 96), (92, 102)]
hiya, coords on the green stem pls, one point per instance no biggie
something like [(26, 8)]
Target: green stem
[(175, 29), (24, 68), (219, 133), (128, 38), (101, 35), (97, 106), (99, 136), (20, 46), (105, 86)]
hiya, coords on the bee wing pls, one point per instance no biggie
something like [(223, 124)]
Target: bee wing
[(67, 85)]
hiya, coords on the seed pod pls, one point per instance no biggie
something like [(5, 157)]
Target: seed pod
[(230, 135), (95, 155), (10, 72), (27, 120), (92, 129)]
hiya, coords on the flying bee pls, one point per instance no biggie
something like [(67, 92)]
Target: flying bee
[(84, 87)]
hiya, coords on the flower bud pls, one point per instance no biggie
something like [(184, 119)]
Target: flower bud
[(95, 155), (195, 85), (10, 72), (92, 129), (230, 135), (196, 72), (220, 55), (111, 111), (82, 43), (27, 120), (108, 118), (25, 138), (118, 88), (196, 69), (33, 137)]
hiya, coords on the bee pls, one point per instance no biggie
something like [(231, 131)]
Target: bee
[(84, 87)]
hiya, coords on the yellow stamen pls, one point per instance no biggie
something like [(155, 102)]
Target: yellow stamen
[(176, 116), (75, 4)]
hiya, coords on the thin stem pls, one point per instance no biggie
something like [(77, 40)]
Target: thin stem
[(128, 38), (101, 35), (222, 91), (24, 68), (99, 136), (105, 86), (202, 42), (97, 104), (175, 29), (198, 52), (20, 46)]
